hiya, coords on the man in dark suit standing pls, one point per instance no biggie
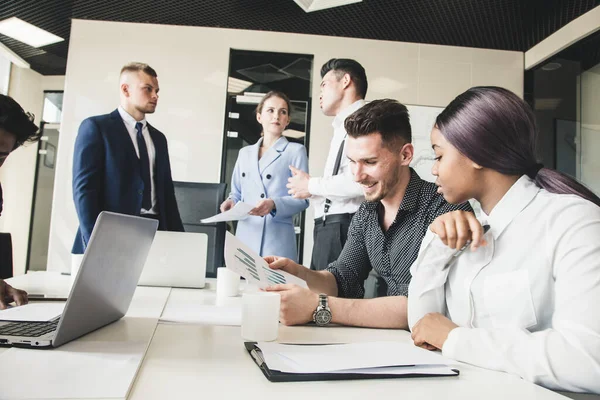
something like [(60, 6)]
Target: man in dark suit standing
[(121, 163)]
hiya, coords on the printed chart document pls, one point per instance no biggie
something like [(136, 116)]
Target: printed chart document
[(245, 262), (236, 213)]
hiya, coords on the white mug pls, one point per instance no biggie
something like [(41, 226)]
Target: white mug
[(228, 283), (260, 316)]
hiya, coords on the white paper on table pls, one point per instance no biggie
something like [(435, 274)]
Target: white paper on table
[(236, 213), (279, 363), (343, 357), (80, 369), (245, 262), (203, 314), (418, 369), (33, 312)]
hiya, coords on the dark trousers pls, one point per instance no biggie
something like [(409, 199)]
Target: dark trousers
[(329, 238)]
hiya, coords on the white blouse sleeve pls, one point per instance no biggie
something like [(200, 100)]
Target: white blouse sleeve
[(565, 356), (426, 293)]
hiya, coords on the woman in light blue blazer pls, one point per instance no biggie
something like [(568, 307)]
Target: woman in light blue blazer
[(260, 176)]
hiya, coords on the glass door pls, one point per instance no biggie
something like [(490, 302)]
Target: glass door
[(39, 231)]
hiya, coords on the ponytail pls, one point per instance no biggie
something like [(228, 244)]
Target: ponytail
[(496, 129), (559, 183)]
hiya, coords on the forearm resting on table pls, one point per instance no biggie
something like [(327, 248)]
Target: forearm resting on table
[(382, 312), (320, 281)]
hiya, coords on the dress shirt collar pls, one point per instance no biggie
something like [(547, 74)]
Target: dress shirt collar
[(129, 120), (339, 119), (410, 201), (521, 193)]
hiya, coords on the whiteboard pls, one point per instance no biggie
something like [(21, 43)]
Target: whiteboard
[(422, 120)]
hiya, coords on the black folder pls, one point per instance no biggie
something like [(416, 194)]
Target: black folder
[(278, 376)]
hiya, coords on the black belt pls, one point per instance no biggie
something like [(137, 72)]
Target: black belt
[(334, 218)]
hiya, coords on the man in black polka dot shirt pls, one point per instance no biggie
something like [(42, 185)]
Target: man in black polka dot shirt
[(385, 233)]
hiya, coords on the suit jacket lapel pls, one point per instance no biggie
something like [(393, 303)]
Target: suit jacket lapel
[(120, 131), (158, 153), (272, 154)]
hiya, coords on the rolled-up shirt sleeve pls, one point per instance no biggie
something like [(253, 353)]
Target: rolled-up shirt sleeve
[(352, 267)]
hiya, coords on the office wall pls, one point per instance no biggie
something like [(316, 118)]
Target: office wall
[(574, 31), (192, 66), (590, 128), (18, 172)]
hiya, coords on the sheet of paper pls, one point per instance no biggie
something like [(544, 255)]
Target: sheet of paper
[(279, 363), (238, 212), (203, 314), (33, 312), (343, 357), (419, 369), (245, 262), (80, 369)]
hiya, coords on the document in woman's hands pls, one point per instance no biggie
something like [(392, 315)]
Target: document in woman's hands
[(238, 212)]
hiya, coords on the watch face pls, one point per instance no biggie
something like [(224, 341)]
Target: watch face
[(323, 317)]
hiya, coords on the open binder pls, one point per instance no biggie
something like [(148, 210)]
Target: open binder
[(278, 376)]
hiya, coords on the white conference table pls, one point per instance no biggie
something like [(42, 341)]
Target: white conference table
[(191, 361)]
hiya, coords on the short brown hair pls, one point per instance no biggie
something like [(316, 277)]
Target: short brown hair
[(387, 117), (274, 93), (138, 66)]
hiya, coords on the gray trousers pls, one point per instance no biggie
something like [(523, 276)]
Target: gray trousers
[(329, 238)]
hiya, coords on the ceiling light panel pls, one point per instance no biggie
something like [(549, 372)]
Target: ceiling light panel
[(27, 33), (315, 5)]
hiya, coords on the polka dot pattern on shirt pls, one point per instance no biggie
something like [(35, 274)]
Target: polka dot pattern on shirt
[(390, 253)]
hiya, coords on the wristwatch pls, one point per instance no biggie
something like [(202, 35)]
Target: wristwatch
[(322, 315)]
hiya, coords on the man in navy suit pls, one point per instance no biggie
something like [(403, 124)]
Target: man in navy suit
[(121, 162)]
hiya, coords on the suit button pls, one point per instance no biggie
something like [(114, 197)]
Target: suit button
[(140, 192), (243, 174), (268, 176), (262, 195)]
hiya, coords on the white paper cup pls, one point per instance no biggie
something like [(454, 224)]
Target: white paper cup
[(228, 283), (76, 260), (260, 316)]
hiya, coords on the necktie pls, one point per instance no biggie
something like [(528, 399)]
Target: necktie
[(336, 169), (144, 167)]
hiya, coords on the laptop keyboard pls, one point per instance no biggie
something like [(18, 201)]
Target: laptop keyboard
[(28, 329)]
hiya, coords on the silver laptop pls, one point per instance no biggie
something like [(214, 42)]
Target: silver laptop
[(176, 259), (103, 288)]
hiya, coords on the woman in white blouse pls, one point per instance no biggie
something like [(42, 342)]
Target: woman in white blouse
[(525, 296)]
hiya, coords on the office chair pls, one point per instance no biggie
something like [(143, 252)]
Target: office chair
[(6, 256), (201, 200)]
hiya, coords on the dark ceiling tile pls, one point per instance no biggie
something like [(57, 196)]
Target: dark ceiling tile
[(496, 24)]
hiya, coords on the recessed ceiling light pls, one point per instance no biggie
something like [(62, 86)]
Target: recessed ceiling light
[(552, 66), (315, 5), (546, 104), (293, 133), (27, 33), (235, 85)]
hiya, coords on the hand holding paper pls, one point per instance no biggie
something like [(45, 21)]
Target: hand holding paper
[(244, 261), (238, 212)]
